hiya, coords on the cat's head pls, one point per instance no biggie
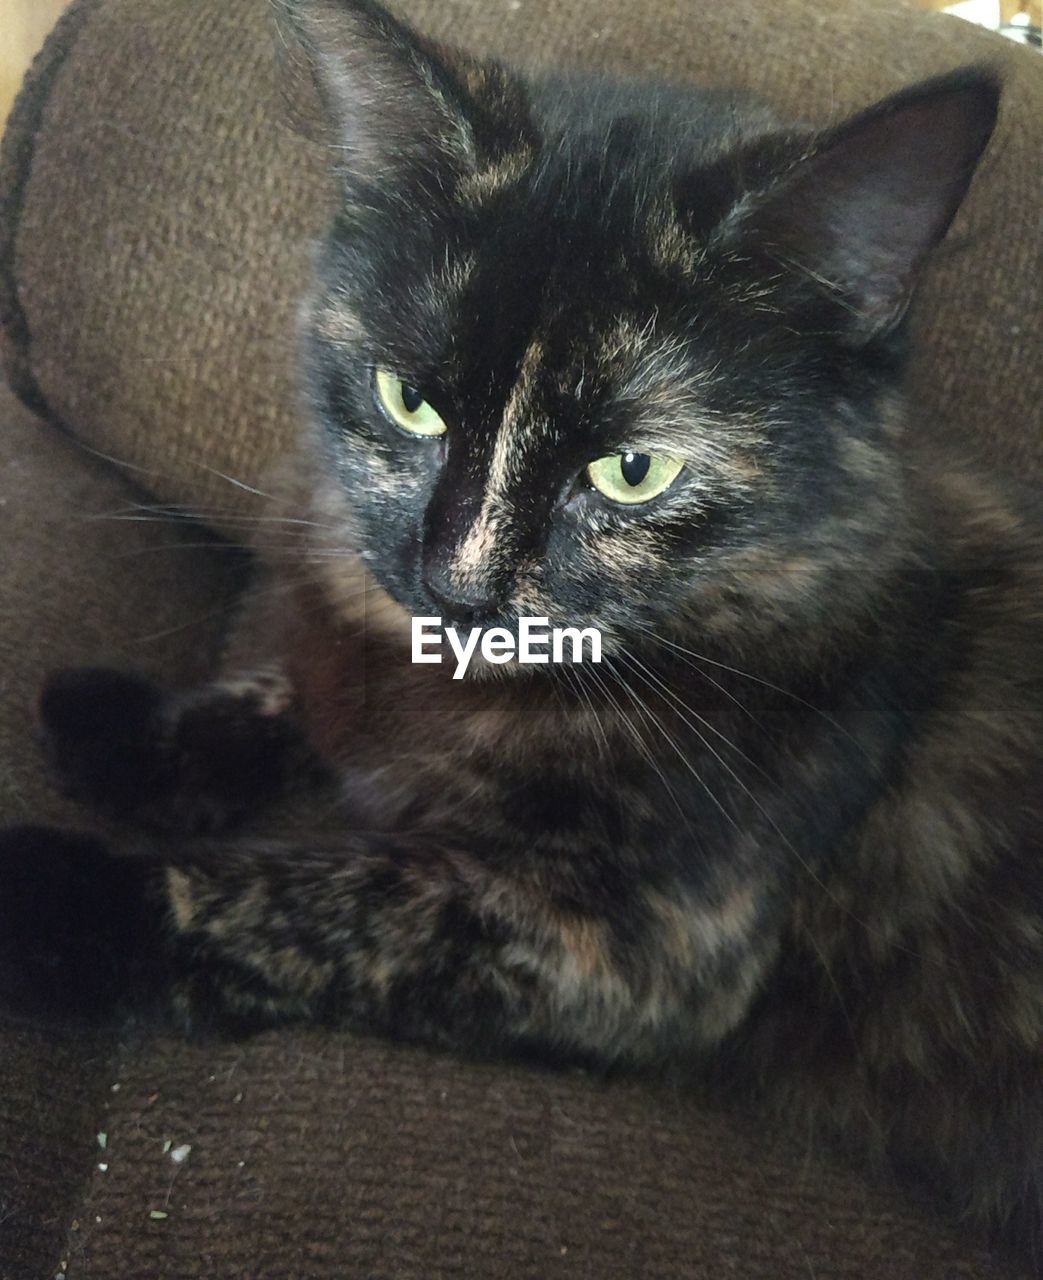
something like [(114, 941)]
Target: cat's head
[(622, 357)]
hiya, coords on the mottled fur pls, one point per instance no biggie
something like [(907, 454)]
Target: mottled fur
[(787, 837)]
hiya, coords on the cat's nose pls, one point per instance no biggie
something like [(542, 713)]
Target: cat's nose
[(459, 606)]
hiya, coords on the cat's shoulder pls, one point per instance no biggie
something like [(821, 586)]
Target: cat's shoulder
[(978, 508)]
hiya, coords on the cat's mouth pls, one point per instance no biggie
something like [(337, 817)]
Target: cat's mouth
[(513, 641)]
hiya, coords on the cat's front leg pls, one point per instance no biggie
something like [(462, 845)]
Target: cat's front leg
[(412, 937), (191, 762), (401, 934), (408, 934)]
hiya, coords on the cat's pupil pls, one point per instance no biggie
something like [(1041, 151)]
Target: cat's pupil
[(411, 398), (635, 467)]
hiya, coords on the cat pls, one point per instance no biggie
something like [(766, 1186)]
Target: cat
[(623, 356)]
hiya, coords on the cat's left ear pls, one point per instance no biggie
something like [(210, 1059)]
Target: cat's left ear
[(861, 213), (403, 109)]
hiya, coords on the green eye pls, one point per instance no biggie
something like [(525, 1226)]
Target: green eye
[(406, 407), (633, 477)]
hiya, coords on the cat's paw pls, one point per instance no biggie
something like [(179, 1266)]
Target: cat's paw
[(233, 746), (73, 920), (194, 763), (103, 733)]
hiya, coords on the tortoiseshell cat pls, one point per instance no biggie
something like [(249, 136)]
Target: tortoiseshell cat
[(626, 357)]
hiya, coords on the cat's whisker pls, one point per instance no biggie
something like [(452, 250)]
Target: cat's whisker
[(115, 460), (241, 521), (233, 604), (183, 512), (573, 680), (292, 554), (237, 548), (773, 824), (239, 484), (760, 680), (643, 674), (705, 675), (670, 693), (196, 620), (602, 681), (711, 794), (286, 585), (801, 860), (728, 769), (125, 464)]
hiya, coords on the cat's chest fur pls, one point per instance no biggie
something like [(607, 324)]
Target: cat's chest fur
[(409, 742), (663, 774)]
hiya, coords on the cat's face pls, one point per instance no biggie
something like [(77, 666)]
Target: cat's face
[(600, 363)]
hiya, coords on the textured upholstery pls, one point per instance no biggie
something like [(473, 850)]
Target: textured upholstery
[(75, 582)]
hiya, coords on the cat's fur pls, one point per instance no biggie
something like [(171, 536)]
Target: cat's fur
[(788, 835)]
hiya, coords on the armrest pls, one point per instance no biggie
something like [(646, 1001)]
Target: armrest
[(76, 585)]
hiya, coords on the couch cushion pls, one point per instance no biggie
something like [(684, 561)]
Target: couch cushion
[(76, 585), (90, 572), (330, 1156)]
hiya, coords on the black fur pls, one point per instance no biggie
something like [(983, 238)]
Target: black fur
[(78, 928)]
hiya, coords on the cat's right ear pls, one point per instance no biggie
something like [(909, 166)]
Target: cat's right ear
[(862, 210), (401, 109)]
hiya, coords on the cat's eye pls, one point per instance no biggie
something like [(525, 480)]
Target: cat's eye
[(633, 477), (406, 407)]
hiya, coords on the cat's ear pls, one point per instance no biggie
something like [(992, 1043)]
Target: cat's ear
[(863, 210), (401, 107)]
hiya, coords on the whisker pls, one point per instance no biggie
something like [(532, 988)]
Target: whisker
[(238, 548), (735, 776), (747, 675), (240, 600), (715, 800), (705, 675), (159, 515), (679, 702), (239, 484), (576, 684), (801, 860), (603, 682)]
